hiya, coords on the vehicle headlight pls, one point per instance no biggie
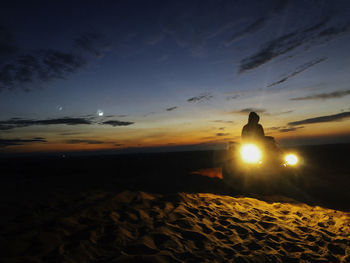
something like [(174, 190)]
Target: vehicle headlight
[(250, 153), (291, 159)]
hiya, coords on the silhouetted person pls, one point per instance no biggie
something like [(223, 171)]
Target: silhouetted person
[(253, 131)]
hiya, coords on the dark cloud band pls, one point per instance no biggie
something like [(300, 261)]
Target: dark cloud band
[(200, 98), (117, 123), (324, 96), (19, 123), (328, 118), (282, 45), (15, 142), (299, 70)]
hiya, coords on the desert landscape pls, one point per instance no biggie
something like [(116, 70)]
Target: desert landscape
[(174, 131), (170, 208)]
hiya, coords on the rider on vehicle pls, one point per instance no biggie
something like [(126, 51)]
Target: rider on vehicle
[(253, 130)]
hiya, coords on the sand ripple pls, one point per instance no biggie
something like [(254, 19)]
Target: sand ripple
[(142, 227)]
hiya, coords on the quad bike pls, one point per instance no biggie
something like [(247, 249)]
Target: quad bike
[(260, 165)]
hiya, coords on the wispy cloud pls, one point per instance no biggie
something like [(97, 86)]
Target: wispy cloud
[(202, 97), (70, 133), (285, 128), (88, 120), (330, 32), (233, 97), (299, 70), (42, 65), (282, 45), (91, 42), (171, 108), (289, 129), (324, 96), (224, 121), (251, 28), (248, 110), (115, 123), (281, 112), (222, 134), (18, 123), (320, 119), (83, 141), (12, 142), (29, 68)]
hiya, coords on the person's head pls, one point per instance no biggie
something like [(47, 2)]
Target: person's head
[(253, 118)]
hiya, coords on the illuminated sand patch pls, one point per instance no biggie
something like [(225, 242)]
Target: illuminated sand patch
[(138, 227), (210, 172)]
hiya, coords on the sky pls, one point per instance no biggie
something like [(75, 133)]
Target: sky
[(128, 74)]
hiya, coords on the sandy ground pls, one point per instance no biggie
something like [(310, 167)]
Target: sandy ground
[(135, 226)]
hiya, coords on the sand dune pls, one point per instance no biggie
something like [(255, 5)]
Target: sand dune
[(143, 227)]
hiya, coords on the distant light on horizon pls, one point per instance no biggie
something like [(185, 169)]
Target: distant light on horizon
[(100, 113)]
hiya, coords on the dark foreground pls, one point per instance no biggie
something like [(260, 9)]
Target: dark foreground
[(53, 206)]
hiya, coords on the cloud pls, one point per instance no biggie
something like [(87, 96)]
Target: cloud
[(18, 123), (91, 42), (192, 25), (320, 119), (284, 128), (149, 113), (248, 110), (83, 141), (11, 142), (233, 97), (251, 28), (282, 45), (224, 121), (202, 97), (222, 134), (70, 133), (289, 129), (172, 108), (42, 65), (115, 123), (332, 31), (258, 23), (324, 96), (300, 69), (281, 112)]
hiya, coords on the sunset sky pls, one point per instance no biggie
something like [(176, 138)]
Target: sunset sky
[(109, 74)]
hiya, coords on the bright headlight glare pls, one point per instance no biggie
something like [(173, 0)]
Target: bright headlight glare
[(251, 153), (291, 159)]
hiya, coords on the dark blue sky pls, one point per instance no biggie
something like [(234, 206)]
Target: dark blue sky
[(171, 72)]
